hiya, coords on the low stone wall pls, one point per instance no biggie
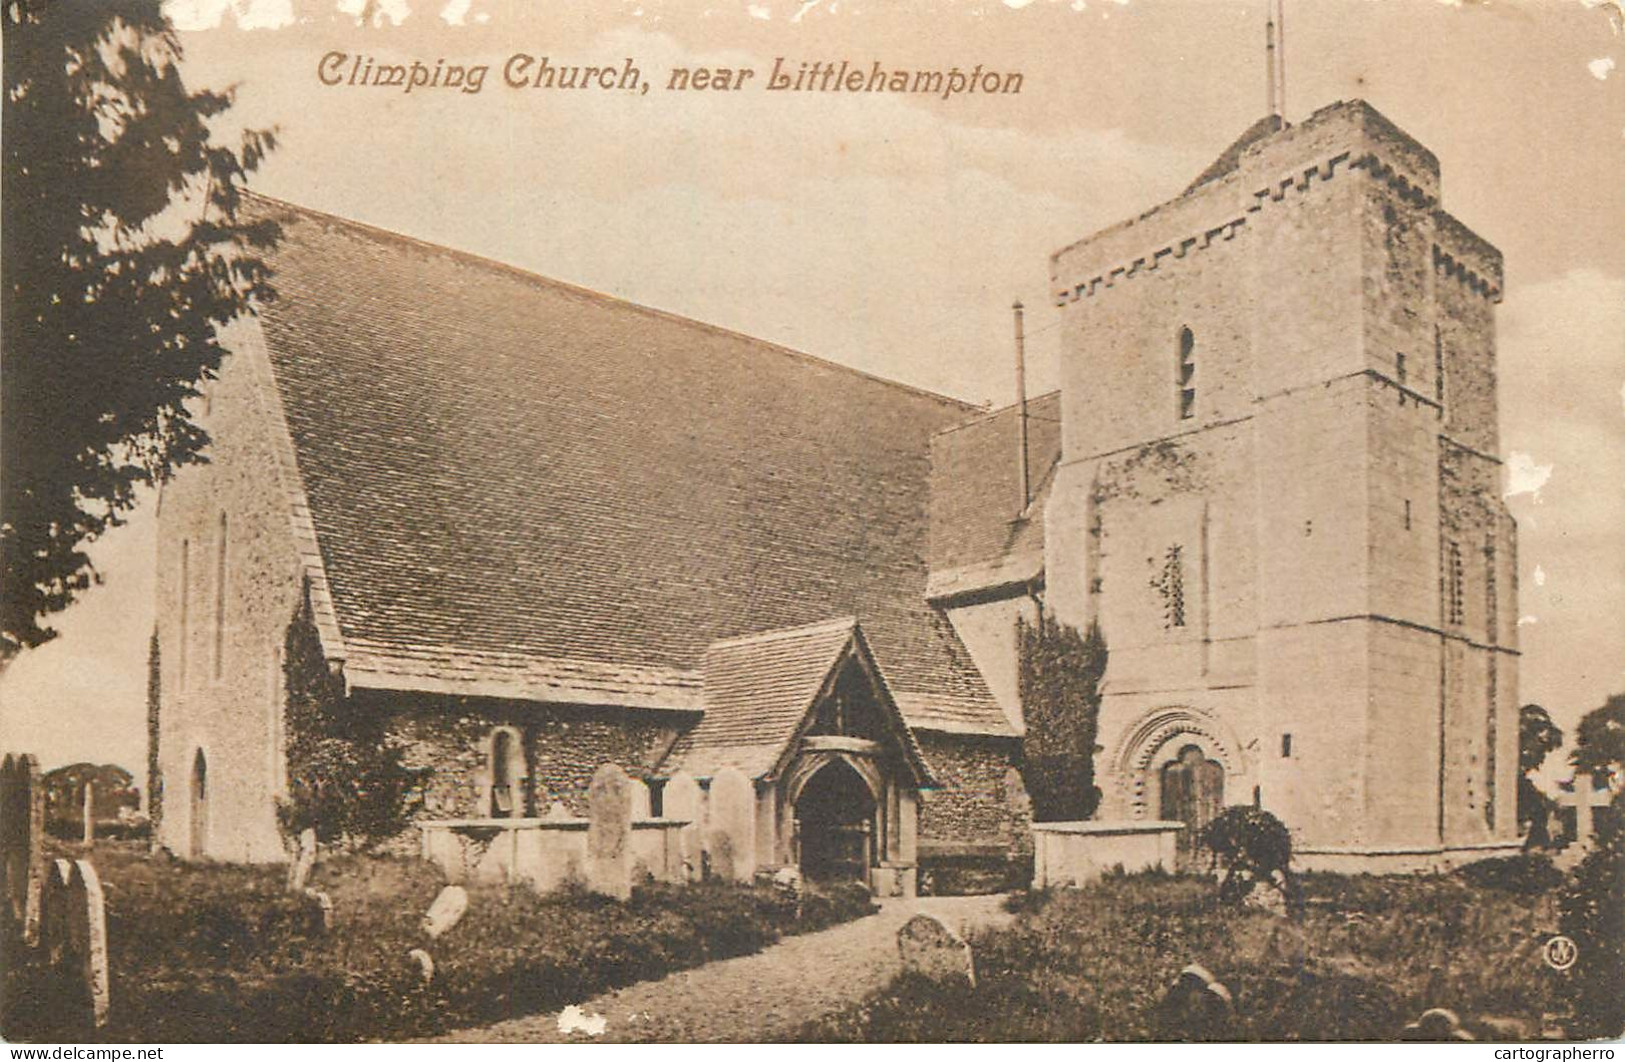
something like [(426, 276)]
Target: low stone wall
[(1399, 860), (1070, 854), (542, 853)]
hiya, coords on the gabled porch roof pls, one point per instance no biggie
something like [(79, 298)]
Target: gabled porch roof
[(760, 692)]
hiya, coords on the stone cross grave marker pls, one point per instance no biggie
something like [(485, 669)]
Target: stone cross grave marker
[(680, 802), (929, 946), (22, 842), (730, 835), (609, 832)]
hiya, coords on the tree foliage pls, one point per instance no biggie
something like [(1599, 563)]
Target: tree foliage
[(1593, 916), (1538, 737), (123, 249), (1599, 740), (1061, 671)]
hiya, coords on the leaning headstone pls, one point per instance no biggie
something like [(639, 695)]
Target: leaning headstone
[(1436, 1025), (1196, 1007), (22, 841), (730, 836), (75, 937), (680, 802), (303, 862), (54, 934), (609, 832), (446, 911), (931, 948)]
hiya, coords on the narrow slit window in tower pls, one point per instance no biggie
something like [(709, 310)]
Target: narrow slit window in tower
[(1187, 374)]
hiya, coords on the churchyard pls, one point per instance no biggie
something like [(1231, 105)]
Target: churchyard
[(216, 952), (1153, 956), (115, 940)]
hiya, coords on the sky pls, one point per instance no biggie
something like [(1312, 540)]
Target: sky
[(892, 232)]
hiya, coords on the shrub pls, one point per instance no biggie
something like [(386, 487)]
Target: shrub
[(1527, 874), (1251, 845), (1593, 915), (346, 776), (1061, 671)]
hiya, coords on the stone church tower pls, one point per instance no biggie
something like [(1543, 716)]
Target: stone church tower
[(1279, 493)]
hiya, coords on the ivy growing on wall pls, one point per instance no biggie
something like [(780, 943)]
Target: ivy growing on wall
[(155, 777), (1061, 671), (345, 772)]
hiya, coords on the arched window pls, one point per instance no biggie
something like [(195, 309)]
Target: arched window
[(1186, 374), (505, 793)]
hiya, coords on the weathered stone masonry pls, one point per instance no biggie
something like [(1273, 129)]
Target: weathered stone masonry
[(1326, 506)]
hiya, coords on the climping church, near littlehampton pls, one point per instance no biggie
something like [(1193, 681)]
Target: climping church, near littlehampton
[(536, 529)]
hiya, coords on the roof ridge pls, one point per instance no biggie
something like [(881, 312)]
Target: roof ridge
[(469, 257), (988, 414), (773, 634)]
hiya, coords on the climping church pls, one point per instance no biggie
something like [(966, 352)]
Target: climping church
[(535, 529)]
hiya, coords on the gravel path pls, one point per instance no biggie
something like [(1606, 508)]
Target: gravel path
[(755, 997)]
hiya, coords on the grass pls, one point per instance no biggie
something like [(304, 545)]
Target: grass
[(1369, 956), (222, 953)]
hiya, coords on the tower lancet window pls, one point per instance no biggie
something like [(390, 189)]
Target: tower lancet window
[(1186, 374)]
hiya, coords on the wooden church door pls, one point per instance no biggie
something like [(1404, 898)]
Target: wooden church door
[(1192, 793)]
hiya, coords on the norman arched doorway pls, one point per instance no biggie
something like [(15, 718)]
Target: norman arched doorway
[(1192, 792), (198, 843), (835, 814)]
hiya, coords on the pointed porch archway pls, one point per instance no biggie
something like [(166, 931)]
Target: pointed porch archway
[(806, 714)]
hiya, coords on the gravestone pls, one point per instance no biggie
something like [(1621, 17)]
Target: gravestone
[(423, 962), (730, 836), (303, 862), (324, 908), (1436, 1025), (557, 812), (931, 948), (446, 911), (89, 837), (1197, 1007), (75, 938), (22, 842), (609, 832), (641, 803), (680, 802)]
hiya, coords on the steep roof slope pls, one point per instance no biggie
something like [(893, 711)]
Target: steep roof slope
[(976, 539), (505, 468), (758, 691)]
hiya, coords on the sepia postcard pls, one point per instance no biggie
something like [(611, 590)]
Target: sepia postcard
[(813, 521)]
